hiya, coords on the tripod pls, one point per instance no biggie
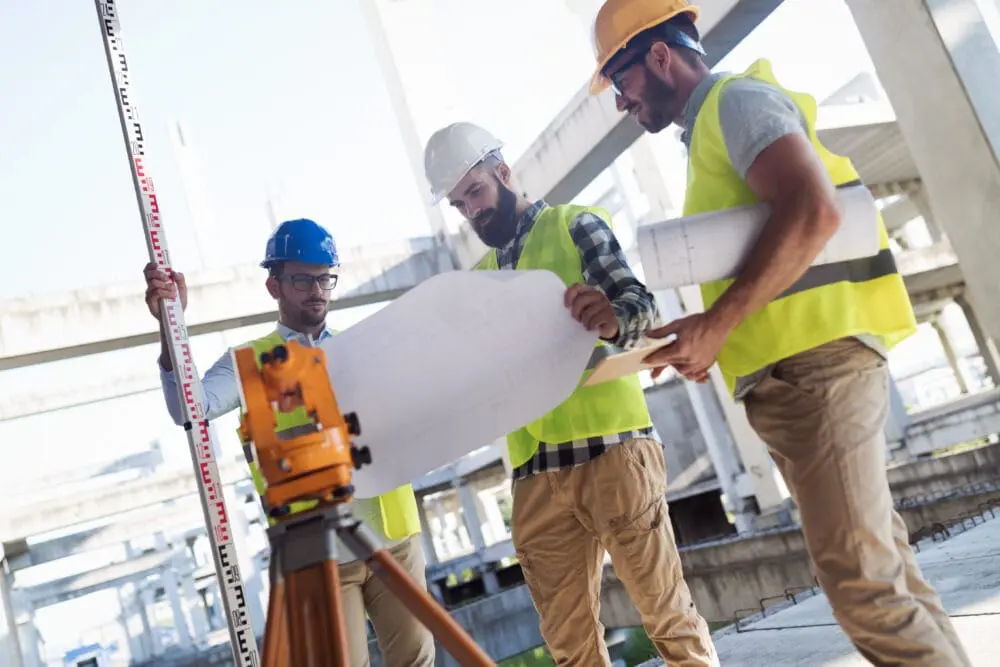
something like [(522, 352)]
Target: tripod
[(306, 626)]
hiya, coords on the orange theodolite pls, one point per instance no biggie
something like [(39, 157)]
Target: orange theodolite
[(313, 462)]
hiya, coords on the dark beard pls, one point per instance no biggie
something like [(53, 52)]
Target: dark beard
[(503, 220), (660, 99)]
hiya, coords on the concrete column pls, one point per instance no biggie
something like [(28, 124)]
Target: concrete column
[(986, 346), (470, 514), (487, 502), (740, 458), (923, 204), (30, 638), (426, 536), (10, 641), (135, 651), (938, 64), (168, 578), (146, 598), (949, 353), (195, 611), (252, 578), (139, 599)]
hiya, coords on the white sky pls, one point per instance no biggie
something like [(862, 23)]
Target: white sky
[(285, 96)]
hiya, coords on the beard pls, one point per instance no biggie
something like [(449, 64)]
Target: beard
[(659, 101), (501, 222)]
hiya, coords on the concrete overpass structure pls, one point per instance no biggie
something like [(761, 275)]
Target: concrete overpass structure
[(895, 157)]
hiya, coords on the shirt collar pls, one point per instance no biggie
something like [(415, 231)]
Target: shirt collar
[(290, 334), (694, 103), (526, 220)]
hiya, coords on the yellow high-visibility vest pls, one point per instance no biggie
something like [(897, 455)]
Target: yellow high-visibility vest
[(862, 296), (611, 407)]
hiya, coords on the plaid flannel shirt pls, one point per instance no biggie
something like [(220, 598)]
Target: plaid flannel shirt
[(604, 267)]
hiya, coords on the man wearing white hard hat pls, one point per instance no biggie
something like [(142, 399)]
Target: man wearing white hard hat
[(589, 476), (804, 349)]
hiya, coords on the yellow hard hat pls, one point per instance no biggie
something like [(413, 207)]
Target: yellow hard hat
[(618, 21)]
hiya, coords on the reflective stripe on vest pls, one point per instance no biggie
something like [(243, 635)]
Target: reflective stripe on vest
[(608, 408), (393, 515), (859, 297)]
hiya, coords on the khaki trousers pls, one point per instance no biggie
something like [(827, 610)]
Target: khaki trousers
[(564, 521), (403, 641), (822, 414)]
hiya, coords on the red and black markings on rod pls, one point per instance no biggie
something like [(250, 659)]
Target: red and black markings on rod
[(227, 564)]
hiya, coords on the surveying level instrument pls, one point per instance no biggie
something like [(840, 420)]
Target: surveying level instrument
[(306, 626), (203, 447)]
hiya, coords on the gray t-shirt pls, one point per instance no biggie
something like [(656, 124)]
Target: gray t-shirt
[(753, 115)]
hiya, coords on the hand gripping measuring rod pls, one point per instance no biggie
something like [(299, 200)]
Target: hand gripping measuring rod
[(241, 634)]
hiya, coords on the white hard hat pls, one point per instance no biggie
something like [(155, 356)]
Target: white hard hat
[(452, 152)]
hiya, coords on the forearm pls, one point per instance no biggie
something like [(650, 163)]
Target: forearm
[(790, 241), (219, 391), (636, 311), (164, 359)]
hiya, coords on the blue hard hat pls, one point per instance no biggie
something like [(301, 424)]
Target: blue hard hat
[(303, 241)]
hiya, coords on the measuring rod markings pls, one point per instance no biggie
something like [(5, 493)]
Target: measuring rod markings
[(243, 640)]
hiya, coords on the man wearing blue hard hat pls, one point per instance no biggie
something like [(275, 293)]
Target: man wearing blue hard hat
[(302, 265)]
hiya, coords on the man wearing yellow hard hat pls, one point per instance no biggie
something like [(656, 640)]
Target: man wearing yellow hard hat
[(589, 476), (804, 350)]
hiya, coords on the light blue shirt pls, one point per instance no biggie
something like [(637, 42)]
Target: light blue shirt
[(220, 386), (221, 394)]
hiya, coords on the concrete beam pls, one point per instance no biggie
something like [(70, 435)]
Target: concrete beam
[(25, 521), (965, 419), (63, 326), (465, 466), (590, 133), (897, 214), (938, 62), (170, 518), (92, 581)]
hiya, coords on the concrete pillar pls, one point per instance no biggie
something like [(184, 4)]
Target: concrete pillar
[(490, 507), (139, 600), (426, 536), (938, 64), (145, 599), (168, 578), (195, 610), (10, 641), (740, 458), (135, 647), (31, 641), (252, 578), (949, 353), (986, 346), (470, 514), (923, 204)]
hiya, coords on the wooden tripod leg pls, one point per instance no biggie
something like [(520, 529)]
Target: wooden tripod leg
[(316, 622), (420, 603), (276, 629)]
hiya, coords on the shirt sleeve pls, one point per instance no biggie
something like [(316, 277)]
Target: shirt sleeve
[(606, 268), (754, 114), (219, 387)]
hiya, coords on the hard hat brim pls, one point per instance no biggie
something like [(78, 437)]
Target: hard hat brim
[(598, 82)]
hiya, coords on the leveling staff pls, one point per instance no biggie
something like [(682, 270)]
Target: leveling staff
[(301, 260)]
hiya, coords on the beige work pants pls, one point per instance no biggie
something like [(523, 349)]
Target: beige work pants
[(822, 415), (564, 521), (402, 640)]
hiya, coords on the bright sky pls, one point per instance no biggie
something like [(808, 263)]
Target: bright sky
[(282, 96)]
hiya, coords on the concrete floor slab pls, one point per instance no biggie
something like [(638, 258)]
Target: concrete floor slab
[(964, 569)]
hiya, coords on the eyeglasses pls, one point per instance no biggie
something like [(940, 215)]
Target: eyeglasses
[(303, 282)]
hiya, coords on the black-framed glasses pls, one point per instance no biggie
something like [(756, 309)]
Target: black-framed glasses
[(303, 282)]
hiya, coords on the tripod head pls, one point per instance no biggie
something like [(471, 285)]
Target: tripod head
[(313, 460)]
